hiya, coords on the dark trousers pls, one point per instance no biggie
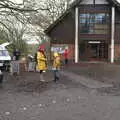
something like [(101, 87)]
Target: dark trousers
[(66, 61), (56, 75), (41, 71), (1, 78)]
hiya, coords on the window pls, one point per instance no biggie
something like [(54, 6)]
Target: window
[(4, 53), (94, 23)]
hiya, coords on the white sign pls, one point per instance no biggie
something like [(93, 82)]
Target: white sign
[(94, 42)]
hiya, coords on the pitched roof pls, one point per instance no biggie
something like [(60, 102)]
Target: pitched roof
[(76, 2)]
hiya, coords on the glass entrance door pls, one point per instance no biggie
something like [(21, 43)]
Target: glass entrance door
[(99, 50), (94, 50)]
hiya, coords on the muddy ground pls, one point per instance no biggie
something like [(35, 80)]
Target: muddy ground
[(29, 82), (26, 98)]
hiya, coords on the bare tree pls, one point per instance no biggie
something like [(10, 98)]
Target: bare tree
[(52, 9), (13, 20), (13, 33), (39, 13)]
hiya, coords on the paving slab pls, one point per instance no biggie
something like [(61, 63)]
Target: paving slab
[(87, 82)]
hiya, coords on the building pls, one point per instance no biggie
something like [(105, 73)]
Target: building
[(91, 28)]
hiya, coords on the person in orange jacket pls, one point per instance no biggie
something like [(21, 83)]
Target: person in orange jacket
[(41, 62), (56, 66)]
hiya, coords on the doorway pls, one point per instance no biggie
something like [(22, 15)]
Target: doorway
[(93, 50)]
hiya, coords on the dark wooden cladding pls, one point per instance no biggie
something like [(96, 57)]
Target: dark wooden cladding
[(117, 27), (98, 37), (64, 31), (91, 8)]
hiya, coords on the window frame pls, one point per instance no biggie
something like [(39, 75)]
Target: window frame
[(86, 18)]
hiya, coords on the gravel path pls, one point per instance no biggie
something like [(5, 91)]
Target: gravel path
[(26, 98)]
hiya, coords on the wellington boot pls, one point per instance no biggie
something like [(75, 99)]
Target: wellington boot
[(41, 78)]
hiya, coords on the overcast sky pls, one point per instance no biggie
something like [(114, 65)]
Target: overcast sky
[(118, 0)]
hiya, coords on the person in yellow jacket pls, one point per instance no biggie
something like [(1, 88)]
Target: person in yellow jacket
[(56, 66), (41, 64)]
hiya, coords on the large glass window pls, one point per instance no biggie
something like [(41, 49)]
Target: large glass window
[(94, 23)]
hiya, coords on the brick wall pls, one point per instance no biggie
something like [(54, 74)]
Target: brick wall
[(117, 51)]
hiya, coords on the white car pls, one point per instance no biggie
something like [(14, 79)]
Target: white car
[(5, 58)]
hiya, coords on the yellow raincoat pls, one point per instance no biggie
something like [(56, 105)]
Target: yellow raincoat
[(56, 62), (41, 61)]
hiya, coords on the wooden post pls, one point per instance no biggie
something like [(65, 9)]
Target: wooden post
[(112, 34), (76, 36)]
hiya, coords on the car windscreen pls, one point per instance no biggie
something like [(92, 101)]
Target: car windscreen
[(4, 53)]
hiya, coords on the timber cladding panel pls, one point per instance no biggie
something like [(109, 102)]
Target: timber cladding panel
[(98, 37), (117, 27), (64, 31), (97, 8)]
